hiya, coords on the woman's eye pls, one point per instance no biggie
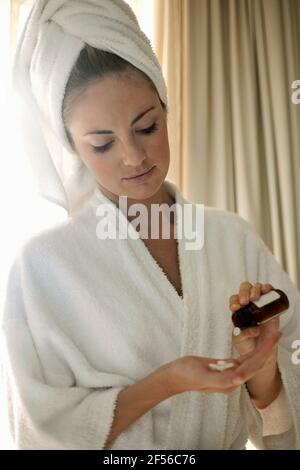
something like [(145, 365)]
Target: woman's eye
[(102, 149), (150, 129)]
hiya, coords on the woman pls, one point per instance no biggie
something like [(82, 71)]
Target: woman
[(107, 339)]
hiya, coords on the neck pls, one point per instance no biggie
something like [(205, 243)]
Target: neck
[(160, 197)]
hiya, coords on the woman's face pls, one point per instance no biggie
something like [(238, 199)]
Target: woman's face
[(119, 130)]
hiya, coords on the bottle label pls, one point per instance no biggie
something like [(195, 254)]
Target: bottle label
[(267, 298)]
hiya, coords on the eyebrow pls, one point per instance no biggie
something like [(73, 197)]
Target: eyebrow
[(136, 119)]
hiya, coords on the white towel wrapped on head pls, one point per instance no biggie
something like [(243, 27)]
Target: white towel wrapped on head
[(54, 34)]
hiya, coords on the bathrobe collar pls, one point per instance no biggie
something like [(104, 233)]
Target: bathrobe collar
[(139, 245)]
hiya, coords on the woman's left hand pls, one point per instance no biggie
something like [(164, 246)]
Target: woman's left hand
[(250, 338)]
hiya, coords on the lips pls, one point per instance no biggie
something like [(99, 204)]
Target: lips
[(141, 174)]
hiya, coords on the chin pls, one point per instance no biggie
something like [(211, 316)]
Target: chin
[(142, 191)]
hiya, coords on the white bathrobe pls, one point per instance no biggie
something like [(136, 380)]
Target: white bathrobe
[(85, 318)]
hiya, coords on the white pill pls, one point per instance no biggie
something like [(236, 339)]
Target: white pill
[(228, 365), (220, 367), (214, 366)]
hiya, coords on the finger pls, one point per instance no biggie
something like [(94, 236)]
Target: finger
[(234, 302), (221, 379), (255, 291), (266, 288), (244, 366), (248, 293), (267, 329), (258, 289), (226, 391), (251, 332), (244, 292), (274, 338), (251, 365)]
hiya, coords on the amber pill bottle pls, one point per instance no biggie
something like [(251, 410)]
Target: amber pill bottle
[(260, 311)]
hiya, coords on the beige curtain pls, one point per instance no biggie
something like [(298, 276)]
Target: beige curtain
[(234, 130)]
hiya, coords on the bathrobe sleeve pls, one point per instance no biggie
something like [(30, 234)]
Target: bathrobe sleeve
[(277, 417), (43, 416), (263, 267)]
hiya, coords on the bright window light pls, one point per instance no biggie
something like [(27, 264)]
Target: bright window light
[(22, 211)]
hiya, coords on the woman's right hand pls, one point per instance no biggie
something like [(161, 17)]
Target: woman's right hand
[(192, 373)]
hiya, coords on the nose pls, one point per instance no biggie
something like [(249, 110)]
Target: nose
[(133, 154)]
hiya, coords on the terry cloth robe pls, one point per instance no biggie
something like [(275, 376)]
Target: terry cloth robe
[(84, 318)]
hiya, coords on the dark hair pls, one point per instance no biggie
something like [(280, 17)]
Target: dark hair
[(92, 65)]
